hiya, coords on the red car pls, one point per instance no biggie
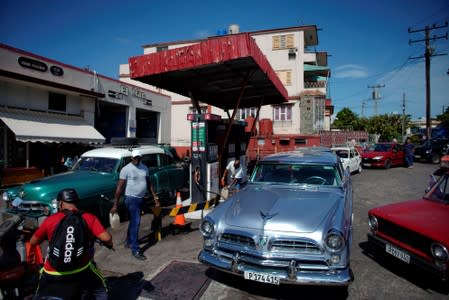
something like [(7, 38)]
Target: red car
[(383, 155), (416, 232)]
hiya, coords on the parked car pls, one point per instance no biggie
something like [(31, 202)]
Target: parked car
[(415, 232), (383, 155), (350, 158), (94, 176), (431, 150), (291, 224)]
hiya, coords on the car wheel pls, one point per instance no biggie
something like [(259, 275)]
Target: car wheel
[(387, 164), (435, 158)]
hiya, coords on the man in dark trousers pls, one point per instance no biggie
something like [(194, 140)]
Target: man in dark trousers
[(135, 179), (70, 284), (409, 150)]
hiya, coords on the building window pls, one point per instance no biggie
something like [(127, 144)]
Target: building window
[(244, 113), (193, 110), (161, 48), (285, 76), (285, 41), (282, 113), (300, 141), (57, 102)]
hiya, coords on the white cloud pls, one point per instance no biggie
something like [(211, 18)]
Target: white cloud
[(350, 71)]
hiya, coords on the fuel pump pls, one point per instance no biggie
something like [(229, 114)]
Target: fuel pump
[(204, 163)]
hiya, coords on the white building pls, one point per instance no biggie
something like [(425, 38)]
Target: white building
[(50, 109), (303, 72)]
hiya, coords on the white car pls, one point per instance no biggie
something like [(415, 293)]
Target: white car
[(350, 158)]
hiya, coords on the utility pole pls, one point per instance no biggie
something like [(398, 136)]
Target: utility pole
[(403, 117), (363, 107), (427, 54), (376, 96)]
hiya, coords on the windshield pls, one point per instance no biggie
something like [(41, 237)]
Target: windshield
[(100, 164), (380, 147), (296, 174), (440, 191), (342, 153)]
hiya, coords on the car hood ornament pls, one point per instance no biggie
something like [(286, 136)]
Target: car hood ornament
[(266, 216)]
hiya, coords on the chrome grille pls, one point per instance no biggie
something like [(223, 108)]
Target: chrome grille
[(302, 246), (32, 206), (241, 240)]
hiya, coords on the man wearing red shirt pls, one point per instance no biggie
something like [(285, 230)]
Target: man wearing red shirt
[(86, 277)]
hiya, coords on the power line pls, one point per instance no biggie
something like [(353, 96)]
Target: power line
[(429, 52)]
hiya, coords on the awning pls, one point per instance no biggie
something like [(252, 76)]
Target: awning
[(314, 70), (35, 126), (308, 68), (220, 71)]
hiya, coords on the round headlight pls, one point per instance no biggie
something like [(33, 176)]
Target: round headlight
[(334, 241), (207, 227), (372, 222), (54, 206), (5, 196), (439, 252)]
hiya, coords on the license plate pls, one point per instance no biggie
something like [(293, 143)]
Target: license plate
[(417, 156), (261, 277), (397, 253), (366, 164)]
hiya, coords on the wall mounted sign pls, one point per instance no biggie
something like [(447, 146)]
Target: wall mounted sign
[(40, 66), (32, 64), (56, 71)]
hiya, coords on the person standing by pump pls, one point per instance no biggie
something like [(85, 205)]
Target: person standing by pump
[(236, 173), (135, 179)]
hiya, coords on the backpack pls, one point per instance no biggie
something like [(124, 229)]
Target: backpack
[(70, 242)]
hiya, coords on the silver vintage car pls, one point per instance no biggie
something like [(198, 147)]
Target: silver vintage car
[(291, 224)]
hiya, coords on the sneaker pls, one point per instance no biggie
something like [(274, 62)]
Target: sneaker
[(139, 256), (410, 167)]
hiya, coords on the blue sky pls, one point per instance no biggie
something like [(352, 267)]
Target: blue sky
[(368, 41)]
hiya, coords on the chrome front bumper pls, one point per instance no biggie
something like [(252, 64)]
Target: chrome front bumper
[(289, 275)]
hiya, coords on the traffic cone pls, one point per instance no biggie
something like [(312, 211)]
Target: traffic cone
[(179, 218)]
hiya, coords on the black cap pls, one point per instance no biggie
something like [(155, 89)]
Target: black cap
[(68, 195)]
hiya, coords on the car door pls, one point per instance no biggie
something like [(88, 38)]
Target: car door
[(352, 161), (397, 155), (357, 159), (158, 175)]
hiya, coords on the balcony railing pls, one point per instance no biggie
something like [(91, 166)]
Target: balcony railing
[(315, 84)]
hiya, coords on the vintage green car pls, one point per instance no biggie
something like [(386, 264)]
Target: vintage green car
[(94, 176)]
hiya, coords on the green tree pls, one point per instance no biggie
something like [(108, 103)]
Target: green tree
[(444, 118), (388, 126), (346, 119)]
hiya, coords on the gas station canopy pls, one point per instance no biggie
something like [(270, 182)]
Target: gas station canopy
[(223, 71)]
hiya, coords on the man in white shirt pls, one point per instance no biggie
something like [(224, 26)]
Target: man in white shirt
[(236, 173)]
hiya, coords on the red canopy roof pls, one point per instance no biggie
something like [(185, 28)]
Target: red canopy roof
[(214, 71)]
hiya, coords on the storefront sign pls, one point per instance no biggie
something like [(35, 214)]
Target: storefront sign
[(114, 94), (40, 66), (124, 90), (32, 64), (56, 71)]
